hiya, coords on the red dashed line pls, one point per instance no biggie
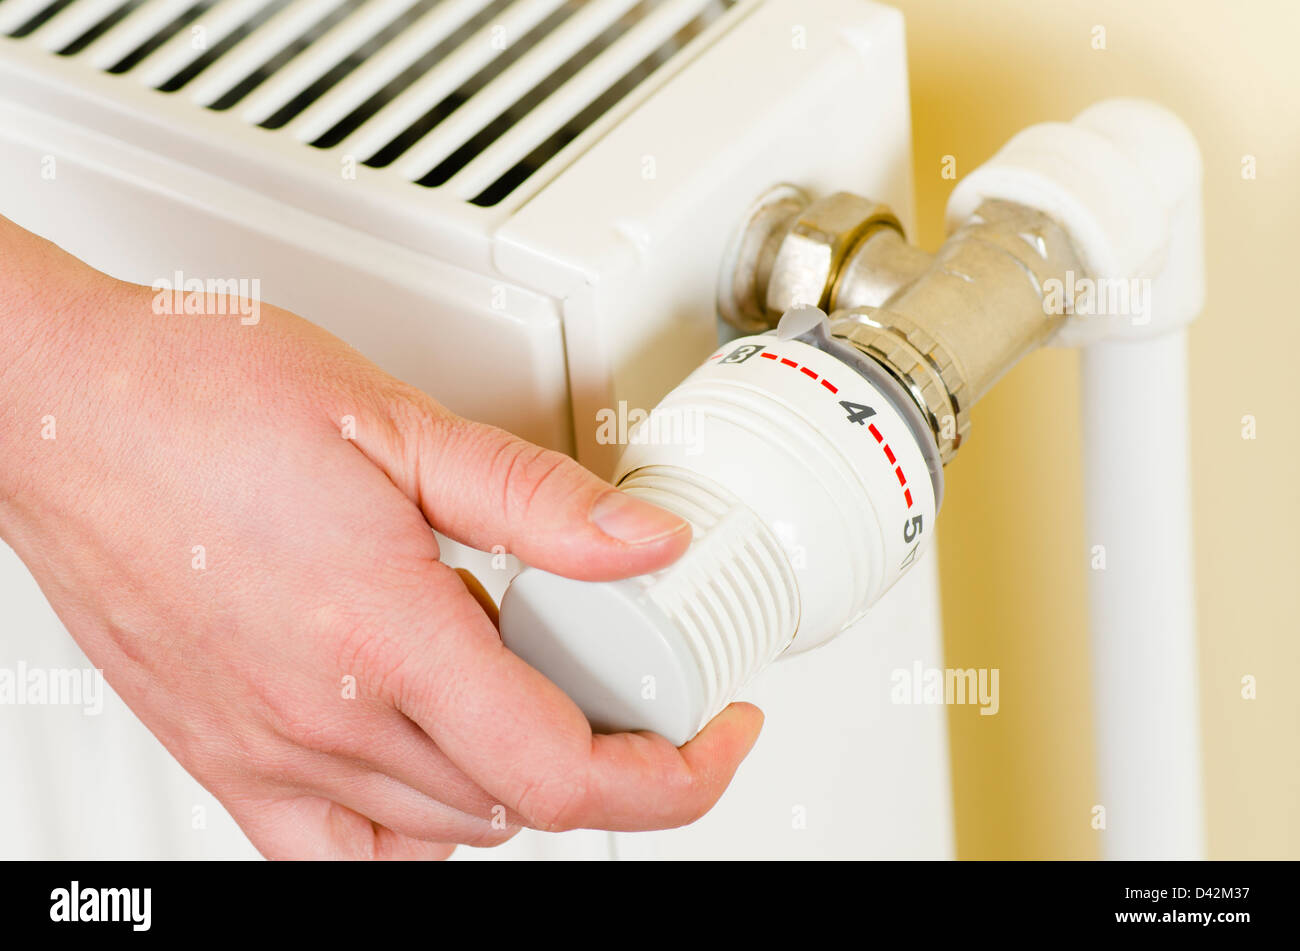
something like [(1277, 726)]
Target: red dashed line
[(876, 434)]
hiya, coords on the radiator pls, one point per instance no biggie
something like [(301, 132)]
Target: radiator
[(519, 206)]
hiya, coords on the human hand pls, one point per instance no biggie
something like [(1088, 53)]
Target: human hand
[(213, 542)]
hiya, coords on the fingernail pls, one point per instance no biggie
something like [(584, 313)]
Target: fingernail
[(632, 520)]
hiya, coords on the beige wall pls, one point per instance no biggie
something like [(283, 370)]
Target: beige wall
[(1013, 552)]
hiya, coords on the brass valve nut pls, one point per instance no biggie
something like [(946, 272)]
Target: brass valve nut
[(809, 258)]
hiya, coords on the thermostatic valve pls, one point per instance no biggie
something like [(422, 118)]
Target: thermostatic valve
[(811, 483), (816, 471), (816, 464)]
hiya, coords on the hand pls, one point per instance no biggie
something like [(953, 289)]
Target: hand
[(213, 541)]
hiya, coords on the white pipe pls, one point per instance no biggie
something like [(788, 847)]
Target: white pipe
[(1124, 179), (1141, 597)]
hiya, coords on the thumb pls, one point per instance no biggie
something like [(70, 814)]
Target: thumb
[(485, 487)]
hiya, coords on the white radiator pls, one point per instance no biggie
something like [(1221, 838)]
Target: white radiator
[(519, 206)]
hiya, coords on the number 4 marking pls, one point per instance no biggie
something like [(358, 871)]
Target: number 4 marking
[(857, 412)]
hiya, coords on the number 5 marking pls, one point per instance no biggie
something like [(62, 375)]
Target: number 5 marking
[(912, 529)]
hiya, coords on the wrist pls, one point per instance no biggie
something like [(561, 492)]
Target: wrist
[(48, 301)]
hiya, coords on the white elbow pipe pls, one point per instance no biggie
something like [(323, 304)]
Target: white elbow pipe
[(1124, 179)]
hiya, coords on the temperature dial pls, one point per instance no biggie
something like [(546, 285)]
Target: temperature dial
[(811, 481)]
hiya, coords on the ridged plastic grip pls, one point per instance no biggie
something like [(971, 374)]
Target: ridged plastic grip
[(732, 595)]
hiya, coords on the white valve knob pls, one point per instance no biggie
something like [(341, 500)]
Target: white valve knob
[(811, 482)]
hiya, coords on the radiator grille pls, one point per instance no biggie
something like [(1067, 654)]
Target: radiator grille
[(474, 97)]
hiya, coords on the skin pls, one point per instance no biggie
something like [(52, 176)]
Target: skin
[(178, 431)]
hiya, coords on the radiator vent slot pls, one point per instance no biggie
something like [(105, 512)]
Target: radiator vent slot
[(470, 97)]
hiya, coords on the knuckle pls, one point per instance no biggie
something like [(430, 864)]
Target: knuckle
[(368, 661), (418, 425), (553, 805), (525, 470), (408, 409), (428, 421), (303, 726), (305, 719)]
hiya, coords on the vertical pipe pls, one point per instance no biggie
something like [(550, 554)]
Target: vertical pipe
[(1141, 596)]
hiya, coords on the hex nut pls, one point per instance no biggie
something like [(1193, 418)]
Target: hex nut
[(747, 262), (821, 237)]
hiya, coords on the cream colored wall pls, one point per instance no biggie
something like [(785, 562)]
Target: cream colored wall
[(1013, 551)]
